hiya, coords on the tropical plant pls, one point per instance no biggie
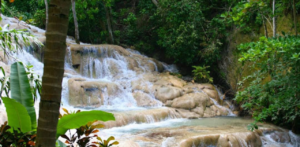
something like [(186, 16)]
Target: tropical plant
[(21, 113), (15, 137), (20, 109), (12, 41), (34, 80), (271, 93), (201, 74), (106, 143)]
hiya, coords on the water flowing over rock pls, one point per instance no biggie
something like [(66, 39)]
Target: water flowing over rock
[(152, 107)]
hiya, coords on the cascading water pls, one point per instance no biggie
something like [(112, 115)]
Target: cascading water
[(133, 87)]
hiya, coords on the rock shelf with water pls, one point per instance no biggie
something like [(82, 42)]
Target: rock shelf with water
[(153, 108)]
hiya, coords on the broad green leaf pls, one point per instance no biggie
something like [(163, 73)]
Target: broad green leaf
[(17, 115), (73, 121), (21, 90)]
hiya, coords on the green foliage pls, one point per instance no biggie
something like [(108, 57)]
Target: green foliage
[(188, 32), (39, 18), (34, 80), (12, 41), (249, 14), (106, 143), (273, 92), (21, 90), (77, 120), (15, 137), (17, 115), (83, 135), (201, 74), (21, 9)]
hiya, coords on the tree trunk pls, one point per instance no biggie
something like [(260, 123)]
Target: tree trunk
[(155, 3), (295, 17), (0, 8), (46, 5), (53, 72), (265, 27), (75, 22), (274, 19), (110, 32)]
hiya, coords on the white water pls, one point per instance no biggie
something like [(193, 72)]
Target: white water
[(124, 96), (113, 67)]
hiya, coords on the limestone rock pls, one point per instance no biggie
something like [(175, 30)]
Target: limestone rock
[(165, 93), (187, 114), (89, 93), (190, 101), (144, 99)]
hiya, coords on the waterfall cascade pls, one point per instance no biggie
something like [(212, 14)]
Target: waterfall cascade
[(152, 107)]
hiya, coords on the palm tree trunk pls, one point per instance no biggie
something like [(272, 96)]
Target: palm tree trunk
[(53, 72), (295, 18), (111, 36), (75, 22), (46, 6), (274, 19)]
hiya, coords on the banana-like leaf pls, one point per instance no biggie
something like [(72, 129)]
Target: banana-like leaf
[(74, 121), (21, 90), (17, 115)]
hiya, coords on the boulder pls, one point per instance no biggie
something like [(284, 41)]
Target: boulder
[(209, 89), (187, 114), (90, 93), (190, 101), (164, 93), (144, 99)]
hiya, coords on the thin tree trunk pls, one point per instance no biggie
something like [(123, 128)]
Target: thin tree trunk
[(75, 22), (0, 8), (274, 19), (295, 17), (110, 32), (46, 5), (53, 72), (265, 27), (155, 3)]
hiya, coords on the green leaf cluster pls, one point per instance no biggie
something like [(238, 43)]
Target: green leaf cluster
[(274, 89), (201, 74)]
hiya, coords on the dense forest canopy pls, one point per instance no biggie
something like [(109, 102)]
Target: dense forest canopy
[(195, 34)]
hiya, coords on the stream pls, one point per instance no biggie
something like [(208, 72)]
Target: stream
[(153, 108)]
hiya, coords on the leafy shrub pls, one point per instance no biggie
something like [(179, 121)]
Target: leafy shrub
[(274, 89), (16, 137), (39, 18), (201, 74)]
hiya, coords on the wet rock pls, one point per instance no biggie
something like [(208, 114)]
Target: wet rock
[(282, 137), (141, 116), (89, 93), (199, 110), (165, 93), (144, 99), (187, 114), (190, 101), (208, 140), (128, 143)]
